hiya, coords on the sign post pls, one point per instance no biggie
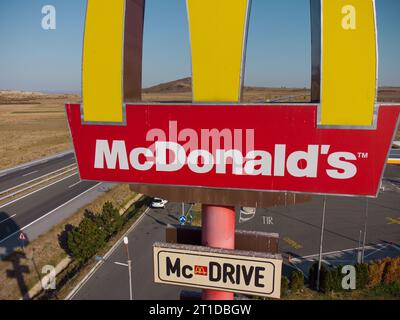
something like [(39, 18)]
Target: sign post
[(22, 238), (217, 76)]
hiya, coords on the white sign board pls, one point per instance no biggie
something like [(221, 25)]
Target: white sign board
[(245, 272)]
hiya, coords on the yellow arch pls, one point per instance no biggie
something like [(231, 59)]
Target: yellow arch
[(217, 36), (102, 78), (349, 62)]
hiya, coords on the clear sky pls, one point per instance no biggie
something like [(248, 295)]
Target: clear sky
[(278, 52)]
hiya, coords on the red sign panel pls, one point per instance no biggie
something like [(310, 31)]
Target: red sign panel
[(251, 147)]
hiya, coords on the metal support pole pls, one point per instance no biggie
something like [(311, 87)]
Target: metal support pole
[(126, 242), (365, 229), (218, 231), (320, 244), (359, 258), (130, 279)]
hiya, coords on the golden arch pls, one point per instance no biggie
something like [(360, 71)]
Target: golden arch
[(344, 61)]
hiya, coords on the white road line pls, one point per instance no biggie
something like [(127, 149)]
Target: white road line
[(28, 174), (36, 184), (341, 251), (73, 185), (373, 252), (40, 189), (79, 286), (48, 213), (33, 180), (8, 218), (121, 264)]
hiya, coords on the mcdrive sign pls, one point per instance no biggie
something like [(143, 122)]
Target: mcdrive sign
[(337, 145), (202, 267)]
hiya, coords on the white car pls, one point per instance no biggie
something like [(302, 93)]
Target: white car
[(158, 203)]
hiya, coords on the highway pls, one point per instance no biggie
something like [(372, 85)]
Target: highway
[(29, 192), (32, 193), (299, 227)]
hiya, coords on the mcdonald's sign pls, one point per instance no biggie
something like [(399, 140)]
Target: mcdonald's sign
[(336, 144)]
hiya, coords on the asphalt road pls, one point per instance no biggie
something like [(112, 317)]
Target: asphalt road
[(22, 175), (110, 281), (17, 214), (299, 227), (395, 153)]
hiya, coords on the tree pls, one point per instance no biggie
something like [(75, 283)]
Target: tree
[(296, 281), (85, 240), (110, 220)]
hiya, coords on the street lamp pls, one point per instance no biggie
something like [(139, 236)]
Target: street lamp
[(126, 242)]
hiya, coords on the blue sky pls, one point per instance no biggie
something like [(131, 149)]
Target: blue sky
[(278, 52)]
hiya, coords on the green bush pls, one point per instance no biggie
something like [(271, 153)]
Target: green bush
[(85, 240), (313, 274), (284, 286), (327, 280), (296, 281), (361, 275), (384, 275), (110, 220), (337, 277), (390, 290)]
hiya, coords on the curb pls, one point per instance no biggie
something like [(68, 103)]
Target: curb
[(34, 162), (129, 204)]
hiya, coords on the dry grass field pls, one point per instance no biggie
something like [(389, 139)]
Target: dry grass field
[(34, 125)]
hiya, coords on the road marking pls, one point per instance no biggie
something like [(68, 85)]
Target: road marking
[(36, 184), (33, 180), (28, 174), (79, 286), (292, 243), (340, 252), (373, 252), (121, 264), (393, 220), (8, 218), (40, 189), (48, 213), (73, 185)]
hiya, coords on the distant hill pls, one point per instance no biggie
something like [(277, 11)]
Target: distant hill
[(185, 85), (180, 85)]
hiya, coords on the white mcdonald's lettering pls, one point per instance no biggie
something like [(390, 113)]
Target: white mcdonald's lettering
[(171, 157)]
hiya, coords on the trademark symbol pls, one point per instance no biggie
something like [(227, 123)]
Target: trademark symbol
[(363, 155)]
